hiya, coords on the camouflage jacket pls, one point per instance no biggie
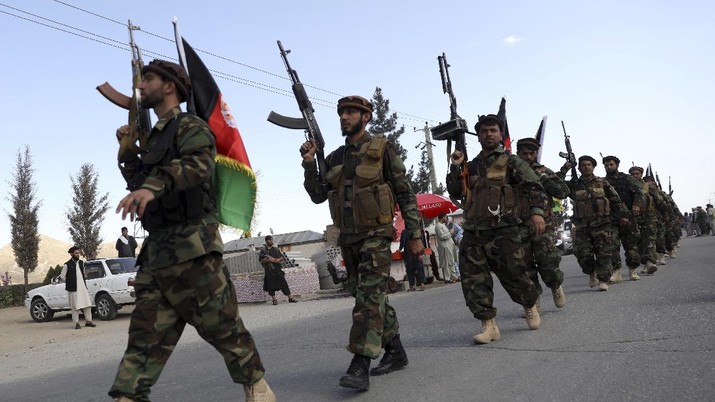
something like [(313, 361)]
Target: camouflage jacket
[(179, 243), (629, 189), (554, 187), (518, 174), (393, 173)]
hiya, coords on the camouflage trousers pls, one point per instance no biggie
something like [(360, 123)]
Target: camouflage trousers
[(629, 237), (671, 236), (374, 320), (541, 256), (198, 292), (593, 248), (646, 248), (500, 251), (660, 237)]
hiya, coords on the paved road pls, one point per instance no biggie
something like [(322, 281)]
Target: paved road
[(650, 340)]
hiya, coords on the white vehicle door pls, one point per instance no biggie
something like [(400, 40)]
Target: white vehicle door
[(94, 276), (56, 296)]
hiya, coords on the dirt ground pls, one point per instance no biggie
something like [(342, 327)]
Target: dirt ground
[(20, 332)]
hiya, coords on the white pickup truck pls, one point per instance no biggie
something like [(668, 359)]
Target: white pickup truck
[(110, 283)]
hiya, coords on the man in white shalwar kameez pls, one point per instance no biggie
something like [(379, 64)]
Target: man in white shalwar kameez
[(446, 250), (77, 293)]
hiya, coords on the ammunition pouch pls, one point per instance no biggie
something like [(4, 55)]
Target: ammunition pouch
[(490, 198), (372, 202), (591, 203)]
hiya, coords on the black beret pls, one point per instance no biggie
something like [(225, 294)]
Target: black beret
[(640, 169), (528, 142), (588, 158), (489, 119), (611, 158)]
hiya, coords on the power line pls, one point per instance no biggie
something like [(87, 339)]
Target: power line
[(254, 84)]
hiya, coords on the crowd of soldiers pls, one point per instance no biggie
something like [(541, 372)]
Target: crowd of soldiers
[(510, 227)]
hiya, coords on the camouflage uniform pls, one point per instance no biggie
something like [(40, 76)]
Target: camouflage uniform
[(492, 242), (648, 222), (595, 203), (674, 222), (541, 254), (630, 191), (182, 278), (364, 215)]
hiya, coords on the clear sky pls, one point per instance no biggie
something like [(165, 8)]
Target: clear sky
[(628, 78)]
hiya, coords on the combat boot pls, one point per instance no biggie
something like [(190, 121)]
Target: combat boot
[(633, 275), (616, 277), (650, 268), (592, 280), (533, 319), (259, 392), (537, 304), (490, 332), (559, 296), (357, 376), (395, 358), (603, 286), (671, 254), (661, 259)]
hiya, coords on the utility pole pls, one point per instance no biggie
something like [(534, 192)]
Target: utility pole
[(430, 157)]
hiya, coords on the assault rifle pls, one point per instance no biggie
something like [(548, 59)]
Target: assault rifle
[(569, 155), (139, 118), (307, 122), (456, 127)]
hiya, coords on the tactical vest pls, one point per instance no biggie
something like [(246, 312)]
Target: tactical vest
[(371, 202), (173, 207), (491, 198), (650, 203), (592, 203)]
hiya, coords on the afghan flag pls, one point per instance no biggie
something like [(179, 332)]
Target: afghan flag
[(501, 114), (235, 180)]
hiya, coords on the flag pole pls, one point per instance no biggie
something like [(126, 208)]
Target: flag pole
[(182, 61)]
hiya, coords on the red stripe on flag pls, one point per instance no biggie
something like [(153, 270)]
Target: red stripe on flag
[(228, 138)]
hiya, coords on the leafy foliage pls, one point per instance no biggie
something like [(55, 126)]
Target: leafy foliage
[(24, 221), (52, 273), (85, 216), (386, 123)]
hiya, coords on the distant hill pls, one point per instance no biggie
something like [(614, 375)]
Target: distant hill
[(52, 252)]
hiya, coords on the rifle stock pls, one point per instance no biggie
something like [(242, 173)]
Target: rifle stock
[(307, 122)]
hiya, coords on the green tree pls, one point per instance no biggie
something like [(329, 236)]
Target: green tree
[(85, 217), (51, 274), (24, 222), (385, 122)]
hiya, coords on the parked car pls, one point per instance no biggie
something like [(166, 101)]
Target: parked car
[(564, 237), (110, 283)]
